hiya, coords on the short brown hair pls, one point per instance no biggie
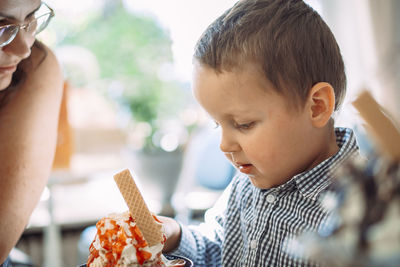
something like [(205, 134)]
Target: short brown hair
[(287, 38)]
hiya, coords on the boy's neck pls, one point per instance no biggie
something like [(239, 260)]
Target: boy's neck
[(333, 147), (329, 148)]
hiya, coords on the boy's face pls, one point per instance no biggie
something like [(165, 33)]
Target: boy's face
[(260, 135)]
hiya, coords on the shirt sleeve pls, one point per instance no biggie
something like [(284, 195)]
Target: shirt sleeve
[(203, 243)]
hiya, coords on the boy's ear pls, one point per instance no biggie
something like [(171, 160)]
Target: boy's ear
[(321, 99)]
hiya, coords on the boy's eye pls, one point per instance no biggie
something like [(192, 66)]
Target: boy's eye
[(244, 126)]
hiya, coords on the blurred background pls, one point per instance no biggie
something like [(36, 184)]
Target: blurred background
[(128, 104)]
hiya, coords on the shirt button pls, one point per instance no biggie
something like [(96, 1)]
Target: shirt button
[(253, 244), (271, 198)]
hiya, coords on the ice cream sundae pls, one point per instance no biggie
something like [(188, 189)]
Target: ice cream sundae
[(119, 242), (133, 238)]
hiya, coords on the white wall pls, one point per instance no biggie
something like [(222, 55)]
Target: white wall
[(369, 40)]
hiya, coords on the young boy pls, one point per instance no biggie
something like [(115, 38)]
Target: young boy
[(270, 73)]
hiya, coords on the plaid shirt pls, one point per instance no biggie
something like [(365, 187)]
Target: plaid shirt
[(248, 226)]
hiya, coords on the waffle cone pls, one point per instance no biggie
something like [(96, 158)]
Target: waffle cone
[(150, 229)]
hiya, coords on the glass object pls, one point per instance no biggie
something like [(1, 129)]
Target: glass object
[(35, 25)]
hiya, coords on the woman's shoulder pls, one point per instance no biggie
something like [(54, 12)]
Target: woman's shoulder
[(43, 59), (42, 68)]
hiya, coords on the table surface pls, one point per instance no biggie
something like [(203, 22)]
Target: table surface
[(86, 192)]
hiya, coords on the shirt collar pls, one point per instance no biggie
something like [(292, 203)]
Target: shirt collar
[(310, 183)]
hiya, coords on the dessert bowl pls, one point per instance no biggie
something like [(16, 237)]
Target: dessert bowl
[(188, 263)]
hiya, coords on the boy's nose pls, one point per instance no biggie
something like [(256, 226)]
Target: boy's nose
[(228, 143)]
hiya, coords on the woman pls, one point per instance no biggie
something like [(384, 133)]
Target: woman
[(30, 96)]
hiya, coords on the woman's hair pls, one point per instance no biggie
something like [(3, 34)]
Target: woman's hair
[(293, 46), (19, 75)]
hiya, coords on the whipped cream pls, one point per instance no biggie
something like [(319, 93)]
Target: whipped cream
[(119, 242)]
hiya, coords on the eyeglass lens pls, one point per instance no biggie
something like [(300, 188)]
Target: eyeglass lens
[(41, 23), (7, 33), (35, 26)]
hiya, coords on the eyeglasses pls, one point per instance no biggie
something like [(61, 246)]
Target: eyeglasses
[(38, 23)]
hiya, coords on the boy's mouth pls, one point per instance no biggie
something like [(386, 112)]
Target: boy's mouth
[(245, 168)]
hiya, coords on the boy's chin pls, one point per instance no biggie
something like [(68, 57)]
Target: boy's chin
[(263, 182), (259, 183)]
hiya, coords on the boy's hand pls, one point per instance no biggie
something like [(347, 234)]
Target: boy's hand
[(172, 232)]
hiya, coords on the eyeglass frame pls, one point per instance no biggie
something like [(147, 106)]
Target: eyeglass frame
[(26, 25)]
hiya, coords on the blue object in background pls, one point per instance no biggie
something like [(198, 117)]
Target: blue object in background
[(212, 168), (84, 242), (363, 140)]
